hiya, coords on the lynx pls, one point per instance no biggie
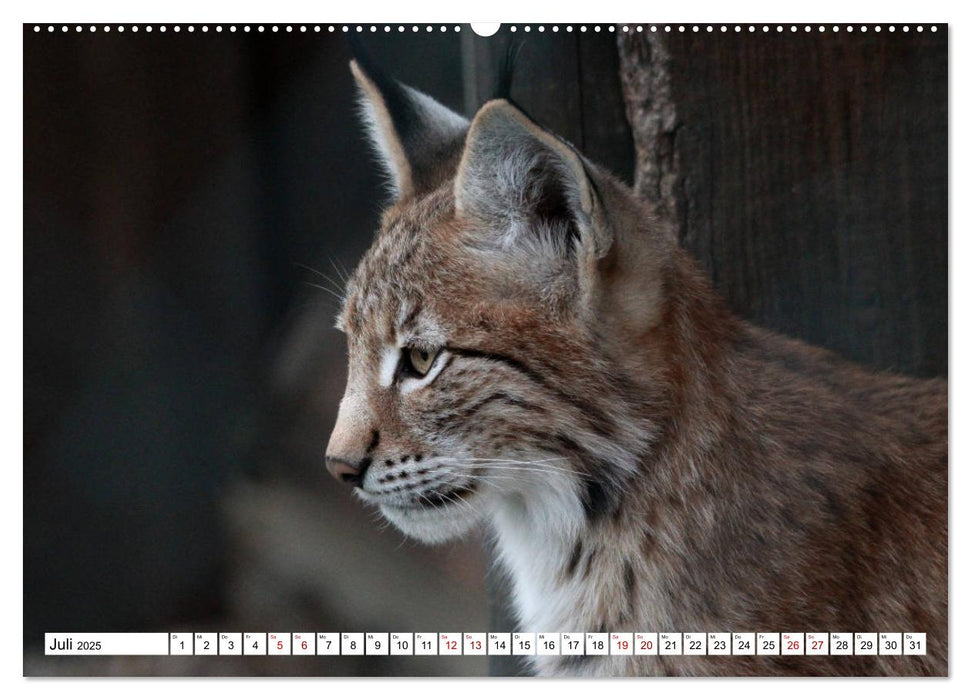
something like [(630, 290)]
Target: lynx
[(530, 351)]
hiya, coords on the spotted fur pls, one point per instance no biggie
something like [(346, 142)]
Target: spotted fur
[(645, 460)]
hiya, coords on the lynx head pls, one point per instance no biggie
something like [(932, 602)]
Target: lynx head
[(484, 324)]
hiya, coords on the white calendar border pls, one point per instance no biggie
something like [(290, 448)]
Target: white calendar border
[(706, 10)]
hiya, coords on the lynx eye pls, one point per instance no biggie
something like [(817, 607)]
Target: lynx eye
[(418, 360)]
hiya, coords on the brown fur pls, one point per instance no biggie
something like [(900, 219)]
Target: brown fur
[(768, 486)]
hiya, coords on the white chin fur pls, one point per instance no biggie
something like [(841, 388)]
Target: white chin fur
[(433, 525)]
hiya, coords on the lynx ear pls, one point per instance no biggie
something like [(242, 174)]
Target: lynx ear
[(522, 181), (417, 139)]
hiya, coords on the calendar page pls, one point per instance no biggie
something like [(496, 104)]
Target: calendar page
[(523, 349)]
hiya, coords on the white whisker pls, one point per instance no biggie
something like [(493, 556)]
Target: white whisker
[(511, 466), (341, 271), (336, 295)]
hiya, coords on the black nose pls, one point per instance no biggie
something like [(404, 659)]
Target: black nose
[(347, 470)]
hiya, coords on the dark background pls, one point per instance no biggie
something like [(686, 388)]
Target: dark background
[(186, 195)]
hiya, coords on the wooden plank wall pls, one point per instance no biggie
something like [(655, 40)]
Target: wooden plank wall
[(808, 174)]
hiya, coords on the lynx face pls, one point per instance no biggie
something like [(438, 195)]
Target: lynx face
[(477, 382), (436, 388)]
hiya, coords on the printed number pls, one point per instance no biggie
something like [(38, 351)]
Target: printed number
[(89, 646), (792, 644), (817, 644), (598, 645), (695, 645), (182, 645), (745, 645), (256, 645), (279, 644), (646, 645), (768, 644), (353, 645), (669, 644), (426, 644), (377, 644), (524, 644), (549, 645), (328, 644), (206, 645), (230, 645), (622, 644), (891, 644), (719, 645), (475, 645), (303, 645), (501, 645), (842, 645), (452, 646), (573, 644), (403, 644), (866, 645), (914, 644)]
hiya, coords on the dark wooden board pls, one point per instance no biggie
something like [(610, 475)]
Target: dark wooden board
[(811, 181)]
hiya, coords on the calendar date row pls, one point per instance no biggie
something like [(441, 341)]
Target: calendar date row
[(488, 643)]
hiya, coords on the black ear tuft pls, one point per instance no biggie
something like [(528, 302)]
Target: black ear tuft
[(506, 71), (365, 60)]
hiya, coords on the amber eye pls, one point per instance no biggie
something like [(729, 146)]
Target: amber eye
[(419, 361)]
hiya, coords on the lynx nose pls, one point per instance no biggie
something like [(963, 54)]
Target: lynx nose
[(346, 470)]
